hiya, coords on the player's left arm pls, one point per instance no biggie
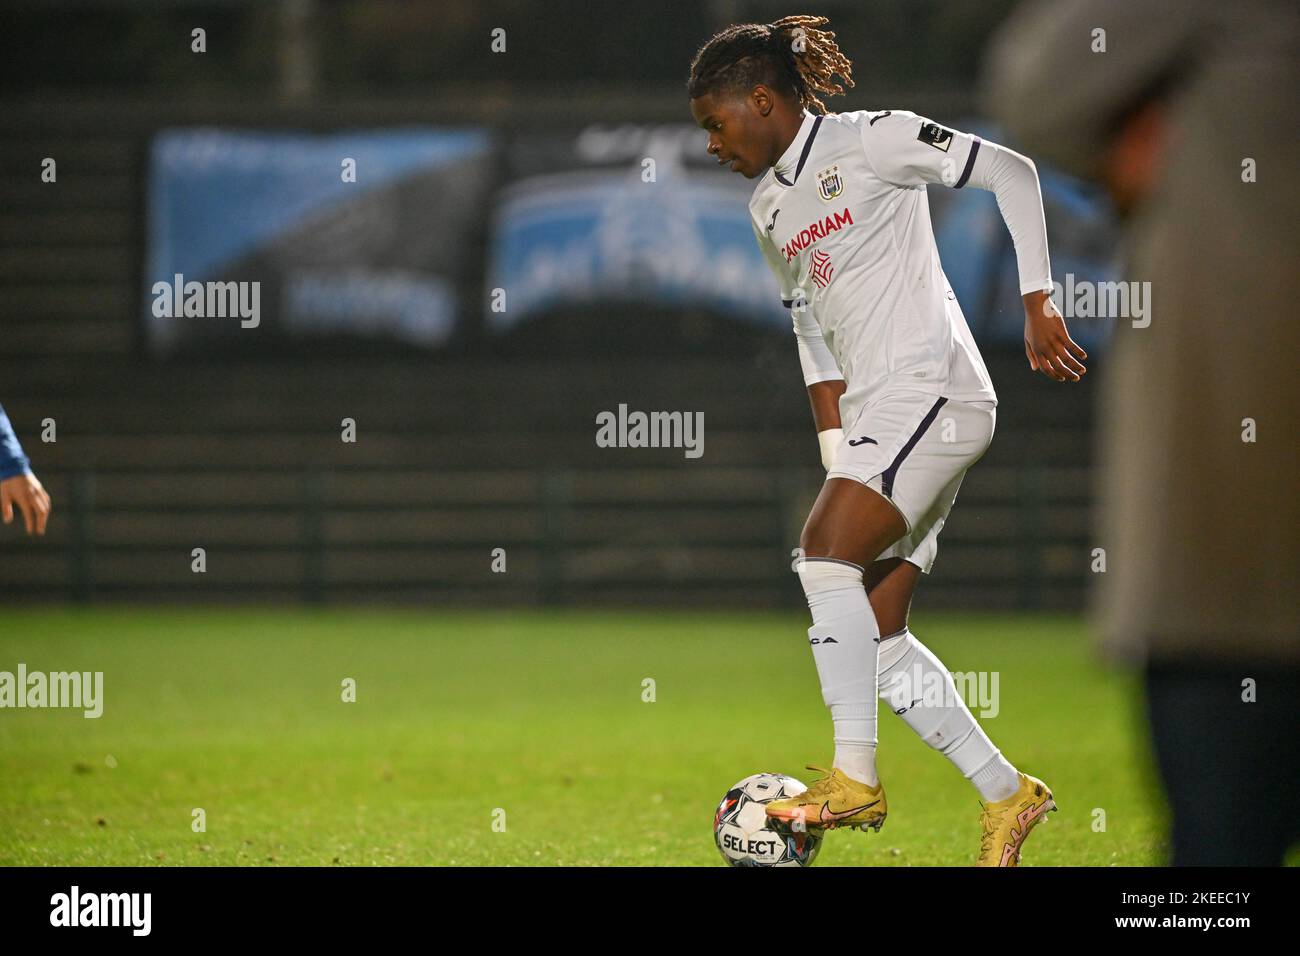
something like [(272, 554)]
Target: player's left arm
[(909, 151), (1013, 179)]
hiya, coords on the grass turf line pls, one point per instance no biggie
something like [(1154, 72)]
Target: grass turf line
[(536, 713)]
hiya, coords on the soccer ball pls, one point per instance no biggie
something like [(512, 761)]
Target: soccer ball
[(744, 835)]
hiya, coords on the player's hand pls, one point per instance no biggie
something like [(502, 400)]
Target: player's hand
[(1048, 345), (32, 501)]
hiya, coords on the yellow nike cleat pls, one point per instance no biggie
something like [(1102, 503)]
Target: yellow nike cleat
[(1007, 822), (834, 800)]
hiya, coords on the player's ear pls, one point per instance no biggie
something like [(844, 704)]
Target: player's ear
[(761, 101)]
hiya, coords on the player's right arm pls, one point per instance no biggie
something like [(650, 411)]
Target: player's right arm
[(18, 486), (821, 373)]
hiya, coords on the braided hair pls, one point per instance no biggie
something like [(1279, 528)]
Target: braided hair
[(791, 56)]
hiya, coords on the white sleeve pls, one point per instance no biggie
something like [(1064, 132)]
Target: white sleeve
[(1014, 180), (815, 358), (909, 151)]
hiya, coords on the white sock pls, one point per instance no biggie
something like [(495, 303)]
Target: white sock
[(907, 669), (844, 639)]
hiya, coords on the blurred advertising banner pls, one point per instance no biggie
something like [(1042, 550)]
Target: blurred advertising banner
[(279, 238), (408, 237), (624, 216)]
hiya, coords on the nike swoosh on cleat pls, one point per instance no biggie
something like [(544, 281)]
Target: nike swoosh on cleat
[(828, 817), (1025, 819)]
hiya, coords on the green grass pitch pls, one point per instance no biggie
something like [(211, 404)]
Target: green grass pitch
[(462, 715)]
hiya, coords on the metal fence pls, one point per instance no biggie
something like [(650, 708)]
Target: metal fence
[(1017, 537)]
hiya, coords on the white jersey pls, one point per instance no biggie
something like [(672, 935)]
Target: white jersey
[(844, 223)]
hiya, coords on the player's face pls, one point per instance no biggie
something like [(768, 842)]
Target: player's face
[(736, 132)]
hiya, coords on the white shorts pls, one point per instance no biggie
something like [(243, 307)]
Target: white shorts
[(914, 449)]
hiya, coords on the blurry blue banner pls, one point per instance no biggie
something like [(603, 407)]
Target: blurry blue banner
[(353, 234), (261, 237), (609, 236)]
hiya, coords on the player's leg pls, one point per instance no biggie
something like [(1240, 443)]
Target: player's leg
[(850, 524), (890, 583), (909, 672), (906, 667), (895, 487), (854, 519)]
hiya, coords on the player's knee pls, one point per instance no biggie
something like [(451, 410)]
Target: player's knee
[(821, 574), (814, 543)]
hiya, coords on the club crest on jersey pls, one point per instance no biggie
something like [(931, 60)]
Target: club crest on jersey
[(829, 183)]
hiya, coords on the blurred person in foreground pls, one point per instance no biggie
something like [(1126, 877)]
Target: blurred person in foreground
[(1183, 110), (18, 486)]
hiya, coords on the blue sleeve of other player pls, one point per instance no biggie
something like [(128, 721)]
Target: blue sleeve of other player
[(12, 460)]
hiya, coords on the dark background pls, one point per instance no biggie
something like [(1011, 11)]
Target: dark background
[(489, 442)]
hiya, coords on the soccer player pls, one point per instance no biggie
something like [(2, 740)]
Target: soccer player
[(900, 396), (18, 486)]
